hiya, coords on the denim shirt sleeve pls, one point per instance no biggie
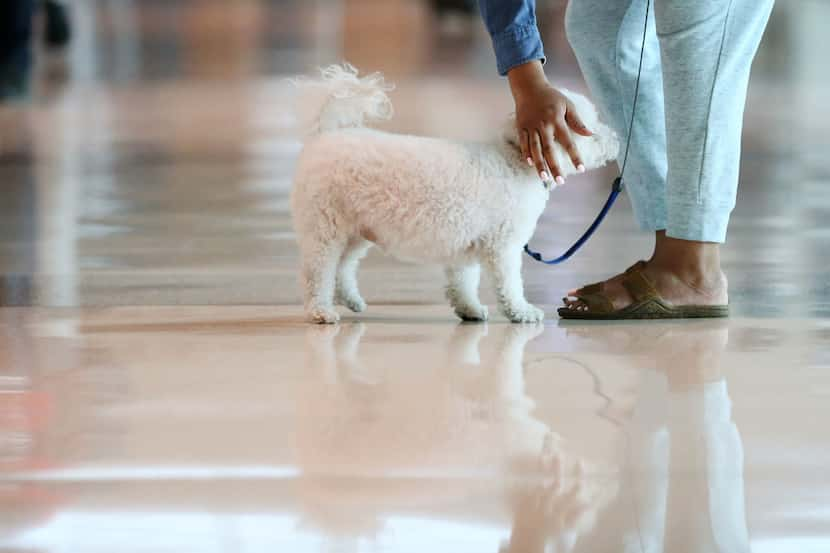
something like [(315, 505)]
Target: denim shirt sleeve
[(512, 27)]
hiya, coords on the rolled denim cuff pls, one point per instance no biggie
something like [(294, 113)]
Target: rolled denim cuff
[(517, 45)]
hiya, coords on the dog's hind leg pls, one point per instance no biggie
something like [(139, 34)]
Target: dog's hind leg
[(319, 270), (462, 292), (348, 293), (506, 268)]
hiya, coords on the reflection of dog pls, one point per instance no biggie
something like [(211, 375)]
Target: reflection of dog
[(376, 440), (468, 414), (460, 205)]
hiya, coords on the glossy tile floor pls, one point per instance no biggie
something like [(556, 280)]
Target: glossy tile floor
[(160, 392)]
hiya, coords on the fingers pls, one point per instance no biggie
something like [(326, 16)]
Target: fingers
[(524, 145), (538, 157), (548, 141), (539, 134), (575, 123), (563, 134)]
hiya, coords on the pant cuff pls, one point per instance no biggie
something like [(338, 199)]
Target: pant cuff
[(649, 217), (698, 222)]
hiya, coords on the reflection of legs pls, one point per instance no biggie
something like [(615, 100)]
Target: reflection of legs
[(332, 351), (320, 352), (648, 470), (681, 441), (509, 371), (706, 502), (347, 346), (464, 342)]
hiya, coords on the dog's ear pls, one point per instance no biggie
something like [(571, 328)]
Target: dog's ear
[(509, 133)]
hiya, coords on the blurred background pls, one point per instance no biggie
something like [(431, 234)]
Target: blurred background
[(147, 147), (125, 42), (146, 155)]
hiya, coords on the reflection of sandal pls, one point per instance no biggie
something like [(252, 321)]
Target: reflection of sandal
[(647, 303)]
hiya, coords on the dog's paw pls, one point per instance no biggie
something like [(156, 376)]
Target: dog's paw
[(524, 314), (472, 313), (320, 315), (354, 304)]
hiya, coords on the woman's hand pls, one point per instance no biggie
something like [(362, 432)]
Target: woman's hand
[(544, 115)]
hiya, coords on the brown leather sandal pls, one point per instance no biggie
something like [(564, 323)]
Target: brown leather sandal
[(648, 304)]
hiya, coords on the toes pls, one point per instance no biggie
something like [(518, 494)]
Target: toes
[(576, 305)]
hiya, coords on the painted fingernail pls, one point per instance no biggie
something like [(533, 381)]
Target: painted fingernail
[(560, 181), (580, 168), (544, 176), (530, 161)]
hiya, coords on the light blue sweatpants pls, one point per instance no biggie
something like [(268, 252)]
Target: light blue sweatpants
[(682, 173)]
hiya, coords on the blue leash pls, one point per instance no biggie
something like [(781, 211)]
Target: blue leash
[(617, 187), (615, 191)]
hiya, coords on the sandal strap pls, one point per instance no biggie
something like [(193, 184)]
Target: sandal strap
[(594, 288), (598, 287), (639, 287), (637, 267), (597, 303)]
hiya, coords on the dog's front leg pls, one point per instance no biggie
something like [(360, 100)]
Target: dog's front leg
[(462, 292), (319, 269), (506, 269)]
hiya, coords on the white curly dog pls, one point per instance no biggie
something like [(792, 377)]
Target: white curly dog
[(429, 200)]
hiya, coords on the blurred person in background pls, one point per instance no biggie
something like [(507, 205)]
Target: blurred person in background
[(442, 7), (682, 172), (17, 19)]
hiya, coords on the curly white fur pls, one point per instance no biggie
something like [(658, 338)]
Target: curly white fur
[(348, 100), (459, 204)]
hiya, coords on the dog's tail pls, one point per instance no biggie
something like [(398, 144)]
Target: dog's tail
[(347, 100)]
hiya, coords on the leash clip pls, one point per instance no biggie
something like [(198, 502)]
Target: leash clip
[(618, 184)]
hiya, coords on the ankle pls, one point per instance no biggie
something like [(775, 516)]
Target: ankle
[(711, 279), (695, 263), (692, 273)]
